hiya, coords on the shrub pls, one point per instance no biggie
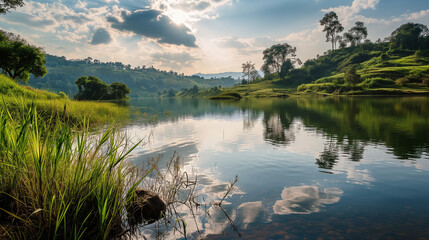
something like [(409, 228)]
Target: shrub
[(322, 87), (384, 57), (227, 95), (352, 77), (402, 81), (377, 83), (63, 95)]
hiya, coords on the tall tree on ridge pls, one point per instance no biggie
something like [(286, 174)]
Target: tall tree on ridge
[(248, 67), (332, 28), (356, 34)]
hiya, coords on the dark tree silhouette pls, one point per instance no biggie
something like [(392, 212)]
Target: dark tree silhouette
[(410, 36), (332, 28), (286, 67), (352, 77), (248, 67), (19, 60), (356, 34), (276, 55), (6, 5), (92, 88)]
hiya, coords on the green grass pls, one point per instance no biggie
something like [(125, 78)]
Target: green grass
[(261, 89), (56, 183), (9, 88), (402, 71), (74, 113)]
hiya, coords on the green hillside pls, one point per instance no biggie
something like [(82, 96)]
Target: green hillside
[(399, 65), (17, 99), (142, 81), (382, 72)]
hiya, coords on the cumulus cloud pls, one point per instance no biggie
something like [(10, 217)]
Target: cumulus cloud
[(305, 199), (100, 36), (154, 24), (30, 20), (194, 10), (347, 12)]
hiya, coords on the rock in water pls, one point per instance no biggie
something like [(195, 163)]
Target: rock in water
[(147, 207)]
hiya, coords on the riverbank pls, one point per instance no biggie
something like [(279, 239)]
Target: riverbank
[(17, 98), (277, 89)]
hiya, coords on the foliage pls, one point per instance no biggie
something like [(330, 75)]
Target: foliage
[(377, 83), (92, 88), (351, 77), (49, 104), (276, 55), (356, 34), (118, 90), (248, 67), (18, 60), (254, 75), (56, 183), (332, 27), (285, 69), (6, 5), (410, 36), (144, 81)]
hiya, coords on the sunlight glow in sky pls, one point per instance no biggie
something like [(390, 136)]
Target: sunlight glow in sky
[(191, 36)]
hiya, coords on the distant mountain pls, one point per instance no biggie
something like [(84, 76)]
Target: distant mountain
[(142, 81), (235, 75)]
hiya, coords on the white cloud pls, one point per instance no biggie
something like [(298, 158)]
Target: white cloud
[(345, 13), (417, 15), (188, 11)]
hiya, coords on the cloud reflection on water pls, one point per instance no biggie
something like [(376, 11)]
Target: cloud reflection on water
[(305, 199)]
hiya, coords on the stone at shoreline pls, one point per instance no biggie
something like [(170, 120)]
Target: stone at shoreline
[(147, 207)]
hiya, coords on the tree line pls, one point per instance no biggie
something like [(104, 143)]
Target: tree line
[(280, 60)]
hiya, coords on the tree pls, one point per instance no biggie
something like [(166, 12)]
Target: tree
[(276, 55), (254, 75), (286, 67), (409, 36), (18, 60), (332, 28), (248, 67), (118, 90), (352, 77), (6, 5), (356, 34), (91, 88)]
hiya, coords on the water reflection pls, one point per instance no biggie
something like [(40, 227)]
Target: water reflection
[(305, 199), (272, 143), (249, 211)]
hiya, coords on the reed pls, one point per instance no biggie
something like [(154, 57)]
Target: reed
[(57, 183)]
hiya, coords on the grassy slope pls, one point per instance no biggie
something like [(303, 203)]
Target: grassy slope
[(398, 73), (143, 83), (15, 97)]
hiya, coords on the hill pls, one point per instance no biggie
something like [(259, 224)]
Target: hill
[(397, 65), (235, 75), (17, 99), (143, 82)]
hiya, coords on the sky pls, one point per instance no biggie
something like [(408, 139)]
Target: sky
[(197, 36)]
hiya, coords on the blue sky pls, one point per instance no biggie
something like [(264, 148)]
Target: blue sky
[(191, 36)]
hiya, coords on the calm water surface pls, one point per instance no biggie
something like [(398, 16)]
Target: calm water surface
[(308, 168)]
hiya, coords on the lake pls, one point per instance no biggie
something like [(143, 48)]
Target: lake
[(307, 168)]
